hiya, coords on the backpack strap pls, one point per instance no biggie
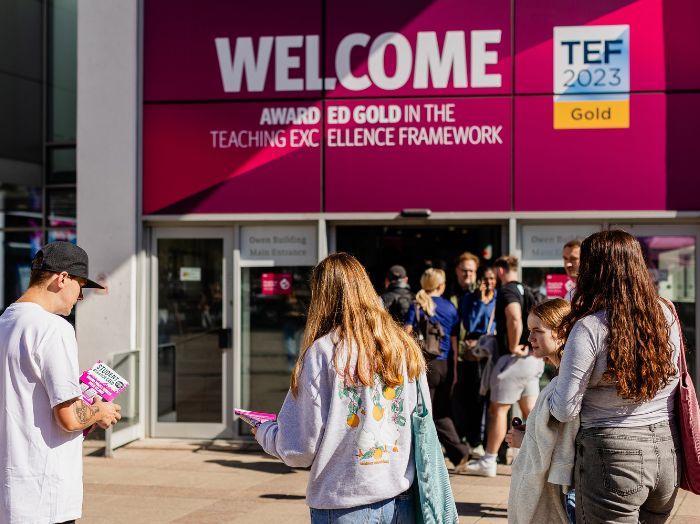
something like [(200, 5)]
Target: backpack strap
[(493, 315)]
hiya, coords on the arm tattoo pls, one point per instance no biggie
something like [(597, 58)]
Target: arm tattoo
[(84, 412)]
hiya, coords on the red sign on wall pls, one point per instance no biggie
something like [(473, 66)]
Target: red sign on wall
[(277, 283), (559, 285)]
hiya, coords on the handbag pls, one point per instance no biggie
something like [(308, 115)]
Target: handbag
[(688, 419), (487, 343), (435, 503)]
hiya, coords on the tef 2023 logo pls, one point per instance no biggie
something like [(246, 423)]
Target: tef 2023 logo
[(591, 77)]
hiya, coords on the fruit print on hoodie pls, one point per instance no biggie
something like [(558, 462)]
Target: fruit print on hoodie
[(379, 433)]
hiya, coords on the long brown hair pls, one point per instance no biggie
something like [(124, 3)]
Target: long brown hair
[(614, 277), (343, 301)]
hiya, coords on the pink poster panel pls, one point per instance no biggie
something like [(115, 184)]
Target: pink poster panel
[(418, 47), (535, 22), (234, 50), (590, 169), (221, 49), (558, 285), (441, 154), (232, 158)]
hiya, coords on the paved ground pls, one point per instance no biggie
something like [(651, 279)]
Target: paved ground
[(156, 481)]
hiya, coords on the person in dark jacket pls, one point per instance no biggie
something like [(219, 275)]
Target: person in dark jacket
[(398, 296)]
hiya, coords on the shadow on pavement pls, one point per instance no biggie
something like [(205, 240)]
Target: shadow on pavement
[(475, 509), (276, 468), (279, 496)]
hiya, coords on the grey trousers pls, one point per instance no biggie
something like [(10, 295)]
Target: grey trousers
[(627, 474)]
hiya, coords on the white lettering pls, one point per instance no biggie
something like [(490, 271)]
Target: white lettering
[(284, 62), (244, 59), (404, 57), (428, 59), (343, 67), (480, 58), (430, 63)]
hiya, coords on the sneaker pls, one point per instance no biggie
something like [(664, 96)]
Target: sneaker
[(481, 467), (478, 452)]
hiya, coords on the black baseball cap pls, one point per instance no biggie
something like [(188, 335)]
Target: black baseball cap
[(64, 256), (396, 272)]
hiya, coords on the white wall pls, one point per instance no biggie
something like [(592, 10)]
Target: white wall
[(107, 164)]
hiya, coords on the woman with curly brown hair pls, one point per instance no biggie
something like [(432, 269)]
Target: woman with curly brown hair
[(619, 372)]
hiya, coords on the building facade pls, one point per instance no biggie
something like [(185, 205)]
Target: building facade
[(37, 138), (224, 149)]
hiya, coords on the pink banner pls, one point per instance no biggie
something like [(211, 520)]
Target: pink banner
[(283, 107), (444, 154), (590, 169), (228, 50), (663, 38), (232, 158), (418, 48)]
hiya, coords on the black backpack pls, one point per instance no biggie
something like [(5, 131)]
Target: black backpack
[(531, 298), (429, 334), (398, 304)]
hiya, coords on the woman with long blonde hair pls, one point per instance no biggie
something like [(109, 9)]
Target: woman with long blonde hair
[(430, 309), (619, 371), (347, 413)]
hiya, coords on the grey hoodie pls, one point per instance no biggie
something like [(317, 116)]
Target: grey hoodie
[(357, 440)]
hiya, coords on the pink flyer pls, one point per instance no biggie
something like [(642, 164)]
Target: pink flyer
[(254, 418), (101, 380)]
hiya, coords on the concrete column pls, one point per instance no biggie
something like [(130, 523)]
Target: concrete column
[(108, 170)]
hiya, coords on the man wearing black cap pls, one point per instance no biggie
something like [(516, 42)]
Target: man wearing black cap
[(41, 413), (398, 296)]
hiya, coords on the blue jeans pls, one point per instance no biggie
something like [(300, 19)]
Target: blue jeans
[(570, 505), (399, 510)]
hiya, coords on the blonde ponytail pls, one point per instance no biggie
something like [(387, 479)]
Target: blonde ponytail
[(425, 302), (430, 280)]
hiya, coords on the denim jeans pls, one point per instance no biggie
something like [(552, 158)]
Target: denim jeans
[(570, 506), (399, 510), (627, 474)]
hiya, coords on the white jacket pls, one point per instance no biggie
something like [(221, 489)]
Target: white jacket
[(544, 467)]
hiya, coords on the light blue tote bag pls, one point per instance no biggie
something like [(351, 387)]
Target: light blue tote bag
[(436, 504)]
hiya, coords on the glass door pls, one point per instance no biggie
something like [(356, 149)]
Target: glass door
[(274, 302), (192, 345)]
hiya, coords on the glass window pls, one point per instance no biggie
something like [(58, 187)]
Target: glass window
[(274, 306), (61, 166), (671, 262), (62, 49), (65, 235), (18, 248), (61, 207), (21, 90), (20, 206)]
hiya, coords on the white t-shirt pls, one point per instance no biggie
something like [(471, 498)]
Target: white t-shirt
[(41, 467)]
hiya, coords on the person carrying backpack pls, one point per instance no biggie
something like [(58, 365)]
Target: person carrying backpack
[(516, 375), (435, 323), (398, 297)]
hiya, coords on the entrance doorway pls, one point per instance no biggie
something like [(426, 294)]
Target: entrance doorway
[(192, 361), (417, 248)]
